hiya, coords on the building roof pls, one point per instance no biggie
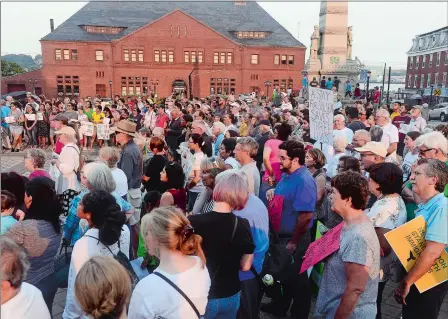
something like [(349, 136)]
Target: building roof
[(436, 40), (224, 17)]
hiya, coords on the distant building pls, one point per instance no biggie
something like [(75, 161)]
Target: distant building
[(29, 81), (428, 61), (141, 48)]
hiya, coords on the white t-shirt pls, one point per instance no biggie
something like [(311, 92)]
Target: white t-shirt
[(346, 132), (408, 161), (121, 181), (198, 157), (390, 135), (332, 165), (388, 212), (27, 304), (153, 297), (84, 249)]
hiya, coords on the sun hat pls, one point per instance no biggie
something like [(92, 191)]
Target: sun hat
[(376, 148), (126, 127), (67, 130)]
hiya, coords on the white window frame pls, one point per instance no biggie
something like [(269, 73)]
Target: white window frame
[(444, 78), (436, 79), (424, 62), (415, 80), (422, 81), (411, 62), (438, 58), (156, 55), (417, 62), (430, 60), (99, 57), (254, 59), (428, 81), (410, 81)]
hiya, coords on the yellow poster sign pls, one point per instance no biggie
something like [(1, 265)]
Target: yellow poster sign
[(408, 242)]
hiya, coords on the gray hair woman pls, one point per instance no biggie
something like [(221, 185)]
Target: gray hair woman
[(14, 268), (111, 156), (94, 176), (376, 133), (34, 162)]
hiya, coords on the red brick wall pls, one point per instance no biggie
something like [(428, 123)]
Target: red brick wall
[(23, 79), (158, 36)]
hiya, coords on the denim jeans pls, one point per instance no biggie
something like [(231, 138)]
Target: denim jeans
[(32, 136), (192, 196), (48, 287), (223, 308)]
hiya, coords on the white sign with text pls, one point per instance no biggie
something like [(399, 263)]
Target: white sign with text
[(321, 115)]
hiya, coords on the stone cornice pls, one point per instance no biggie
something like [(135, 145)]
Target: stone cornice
[(333, 10)]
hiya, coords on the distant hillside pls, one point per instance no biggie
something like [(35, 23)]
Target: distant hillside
[(25, 61)]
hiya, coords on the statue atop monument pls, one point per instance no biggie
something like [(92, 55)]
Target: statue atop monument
[(349, 43), (314, 42)]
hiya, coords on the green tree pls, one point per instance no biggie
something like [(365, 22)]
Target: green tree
[(10, 68)]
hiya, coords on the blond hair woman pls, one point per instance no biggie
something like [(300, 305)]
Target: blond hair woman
[(110, 295), (181, 283)]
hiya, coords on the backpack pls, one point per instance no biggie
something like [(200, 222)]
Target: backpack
[(123, 260), (81, 164)]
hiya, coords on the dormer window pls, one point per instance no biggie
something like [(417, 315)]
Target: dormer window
[(102, 29), (251, 34)]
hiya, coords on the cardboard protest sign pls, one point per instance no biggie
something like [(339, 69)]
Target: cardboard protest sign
[(87, 128), (40, 116), (30, 117), (321, 115), (275, 212), (10, 119), (102, 131), (322, 248), (408, 242)]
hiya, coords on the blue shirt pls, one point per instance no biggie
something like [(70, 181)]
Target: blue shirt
[(348, 87), (5, 111), (304, 82), (7, 223), (218, 142), (329, 85), (256, 214), (299, 193), (72, 230), (435, 213)]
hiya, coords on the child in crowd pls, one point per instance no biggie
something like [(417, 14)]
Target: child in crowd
[(8, 205)]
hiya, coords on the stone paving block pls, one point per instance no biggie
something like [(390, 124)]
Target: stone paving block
[(57, 310)]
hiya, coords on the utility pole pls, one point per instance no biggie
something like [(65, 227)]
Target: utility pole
[(388, 86), (382, 88)]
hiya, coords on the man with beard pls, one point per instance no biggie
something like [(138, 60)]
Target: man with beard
[(299, 192)]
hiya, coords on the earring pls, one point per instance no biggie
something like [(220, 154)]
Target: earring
[(157, 253)]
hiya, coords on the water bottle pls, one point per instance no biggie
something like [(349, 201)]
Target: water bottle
[(268, 280)]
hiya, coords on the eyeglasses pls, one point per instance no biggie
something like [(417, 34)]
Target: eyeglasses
[(422, 152), (284, 158)]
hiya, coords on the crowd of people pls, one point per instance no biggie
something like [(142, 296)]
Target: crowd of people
[(175, 216)]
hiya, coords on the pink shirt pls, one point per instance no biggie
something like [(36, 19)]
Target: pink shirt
[(273, 159), (38, 173)]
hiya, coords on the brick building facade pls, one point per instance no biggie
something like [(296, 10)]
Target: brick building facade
[(29, 81), (428, 61), (202, 48)]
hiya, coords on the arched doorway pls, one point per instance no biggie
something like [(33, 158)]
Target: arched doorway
[(179, 86)]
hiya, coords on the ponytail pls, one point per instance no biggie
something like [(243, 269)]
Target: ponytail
[(106, 215), (198, 139), (171, 229)]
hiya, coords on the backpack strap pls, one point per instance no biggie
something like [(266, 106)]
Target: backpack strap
[(105, 244), (172, 284)]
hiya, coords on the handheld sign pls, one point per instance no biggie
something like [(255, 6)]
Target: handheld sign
[(275, 212), (408, 242), (30, 117), (322, 247), (321, 115)]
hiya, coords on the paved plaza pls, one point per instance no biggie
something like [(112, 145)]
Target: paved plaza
[(15, 162)]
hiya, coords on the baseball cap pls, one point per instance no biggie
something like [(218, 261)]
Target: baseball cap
[(66, 130), (376, 148), (61, 117), (265, 122)]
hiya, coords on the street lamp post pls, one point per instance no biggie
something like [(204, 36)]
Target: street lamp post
[(267, 84), (368, 81), (110, 86)]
